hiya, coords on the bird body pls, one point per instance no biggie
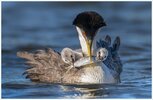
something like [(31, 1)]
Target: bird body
[(50, 66), (98, 73), (47, 66)]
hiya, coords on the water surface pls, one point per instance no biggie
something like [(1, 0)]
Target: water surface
[(32, 26)]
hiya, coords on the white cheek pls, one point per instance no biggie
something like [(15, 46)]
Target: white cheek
[(82, 41), (104, 52), (63, 58)]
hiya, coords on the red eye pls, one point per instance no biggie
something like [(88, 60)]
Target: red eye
[(84, 33)]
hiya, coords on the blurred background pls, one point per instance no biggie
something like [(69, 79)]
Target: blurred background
[(38, 25)]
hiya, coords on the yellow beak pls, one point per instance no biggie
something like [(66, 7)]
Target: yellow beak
[(89, 45)]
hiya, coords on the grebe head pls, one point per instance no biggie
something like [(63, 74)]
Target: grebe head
[(87, 24)]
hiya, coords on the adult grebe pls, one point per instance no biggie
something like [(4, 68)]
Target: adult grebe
[(48, 66)]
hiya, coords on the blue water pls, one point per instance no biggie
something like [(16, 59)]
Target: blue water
[(39, 25)]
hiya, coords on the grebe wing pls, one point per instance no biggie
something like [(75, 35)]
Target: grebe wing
[(45, 66)]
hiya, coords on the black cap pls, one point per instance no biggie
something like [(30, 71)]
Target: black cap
[(89, 19)]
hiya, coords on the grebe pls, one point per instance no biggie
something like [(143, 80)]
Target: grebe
[(50, 67)]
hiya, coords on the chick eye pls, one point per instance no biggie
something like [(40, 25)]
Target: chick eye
[(71, 56), (99, 53)]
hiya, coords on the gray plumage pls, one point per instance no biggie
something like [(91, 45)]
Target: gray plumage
[(47, 65), (113, 60)]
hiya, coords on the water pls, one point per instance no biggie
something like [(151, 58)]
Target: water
[(32, 26)]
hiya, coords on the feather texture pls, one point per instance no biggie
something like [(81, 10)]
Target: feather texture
[(47, 65)]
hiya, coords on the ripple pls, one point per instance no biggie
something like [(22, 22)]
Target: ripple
[(42, 25)]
